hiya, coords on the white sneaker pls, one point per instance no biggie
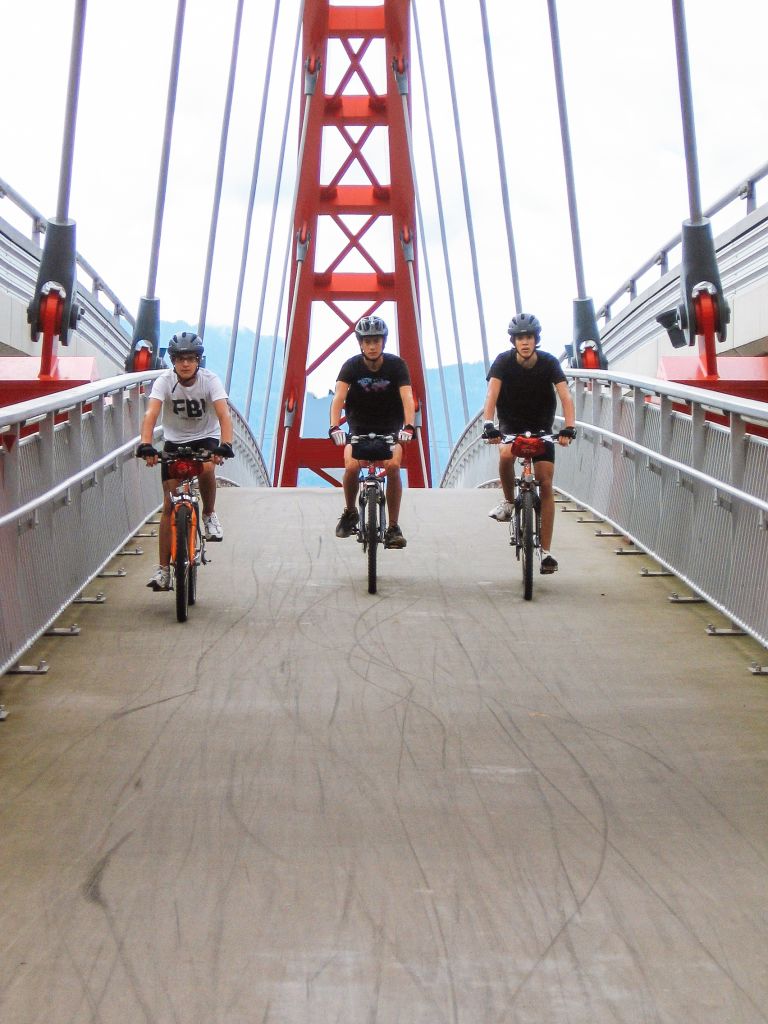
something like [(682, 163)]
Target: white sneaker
[(503, 512), (161, 580), (212, 527)]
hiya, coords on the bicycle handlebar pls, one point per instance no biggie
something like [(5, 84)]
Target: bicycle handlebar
[(539, 435)]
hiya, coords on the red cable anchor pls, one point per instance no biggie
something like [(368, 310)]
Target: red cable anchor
[(51, 312)]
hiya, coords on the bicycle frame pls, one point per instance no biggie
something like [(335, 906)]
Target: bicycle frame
[(187, 539), (526, 483), (372, 504), (525, 525), (373, 482)]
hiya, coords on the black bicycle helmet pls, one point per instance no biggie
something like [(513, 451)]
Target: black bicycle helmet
[(524, 323), (371, 327), (185, 342)]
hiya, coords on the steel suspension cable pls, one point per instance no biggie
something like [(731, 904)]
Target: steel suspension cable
[(402, 81), (310, 80), (271, 236), (302, 244), (433, 318), (70, 118), (220, 169), (251, 200), (278, 317), (502, 161), (465, 188), (686, 106), (567, 156), (446, 260), (162, 181)]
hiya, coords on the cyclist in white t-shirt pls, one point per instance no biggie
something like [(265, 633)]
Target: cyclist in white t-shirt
[(195, 410)]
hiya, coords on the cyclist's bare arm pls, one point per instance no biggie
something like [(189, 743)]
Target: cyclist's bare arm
[(148, 425), (337, 402), (488, 410), (221, 408), (569, 410), (409, 405)]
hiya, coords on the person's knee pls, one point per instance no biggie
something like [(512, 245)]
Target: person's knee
[(546, 488)]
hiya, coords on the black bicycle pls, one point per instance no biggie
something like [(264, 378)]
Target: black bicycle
[(372, 450), (525, 524)]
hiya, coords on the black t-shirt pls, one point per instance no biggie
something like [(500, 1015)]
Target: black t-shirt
[(527, 399), (373, 404)]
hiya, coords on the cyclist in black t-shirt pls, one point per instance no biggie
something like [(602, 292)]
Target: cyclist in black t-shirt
[(523, 388), (374, 390)]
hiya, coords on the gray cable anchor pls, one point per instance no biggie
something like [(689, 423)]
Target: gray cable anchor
[(698, 271), (58, 265)]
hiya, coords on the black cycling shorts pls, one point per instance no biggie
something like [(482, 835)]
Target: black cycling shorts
[(368, 450)]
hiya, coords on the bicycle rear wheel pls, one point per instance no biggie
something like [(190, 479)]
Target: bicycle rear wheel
[(526, 543), (373, 541), (181, 563)]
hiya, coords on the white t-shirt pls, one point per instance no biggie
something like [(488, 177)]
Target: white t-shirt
[(188, 412)]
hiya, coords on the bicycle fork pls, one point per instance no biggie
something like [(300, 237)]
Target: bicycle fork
[(515, 525)]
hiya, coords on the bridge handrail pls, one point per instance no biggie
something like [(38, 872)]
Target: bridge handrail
[(246, 444), (72, 494), (39, 224), (744, 190), (680, 471)]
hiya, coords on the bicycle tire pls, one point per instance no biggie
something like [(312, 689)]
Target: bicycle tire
[(181, 563), (526, 541), (373, 541)]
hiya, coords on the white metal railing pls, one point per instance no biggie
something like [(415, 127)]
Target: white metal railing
[(38, 225), (744, 191), (680, 471), (72, 493)]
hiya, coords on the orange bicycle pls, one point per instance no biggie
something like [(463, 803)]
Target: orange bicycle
[(187, 539)]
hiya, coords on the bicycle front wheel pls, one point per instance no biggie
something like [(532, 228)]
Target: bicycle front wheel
[(526, 543), (181, 563), (373, 541)]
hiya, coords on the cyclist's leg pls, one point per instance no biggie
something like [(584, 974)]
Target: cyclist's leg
[(544, 472), (207, 480), (507, 471), (164, 530), (394, 485), (350, 481)]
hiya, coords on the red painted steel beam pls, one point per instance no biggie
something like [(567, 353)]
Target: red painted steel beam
[(355, 28)]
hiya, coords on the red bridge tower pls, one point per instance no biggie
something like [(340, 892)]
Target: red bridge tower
[(346, 133)]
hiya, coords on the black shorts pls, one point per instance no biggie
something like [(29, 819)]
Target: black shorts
[(375, 450), (206, 444)]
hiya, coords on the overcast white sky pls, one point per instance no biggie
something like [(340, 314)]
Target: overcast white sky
[(623, 105)]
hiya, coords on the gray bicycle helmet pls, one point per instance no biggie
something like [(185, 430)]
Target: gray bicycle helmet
[(371, 327), (524, 323), (185, 342)]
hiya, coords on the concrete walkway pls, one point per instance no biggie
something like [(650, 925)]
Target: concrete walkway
[(439, 804)]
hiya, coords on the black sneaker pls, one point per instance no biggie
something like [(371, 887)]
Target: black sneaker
[(347, 523), (548, 565), (393, 537)]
